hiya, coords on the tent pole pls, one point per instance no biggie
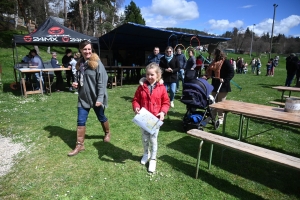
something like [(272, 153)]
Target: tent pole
[(15, 47), (98, 47)]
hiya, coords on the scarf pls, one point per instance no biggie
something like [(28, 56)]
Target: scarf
[(215, 67), (168, 58)]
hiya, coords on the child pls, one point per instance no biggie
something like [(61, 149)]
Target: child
[(152, 95), (73, 63), (269, 67), (245, 69)]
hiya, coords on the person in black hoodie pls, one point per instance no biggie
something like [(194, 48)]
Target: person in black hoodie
[(170, 66), (66, 63), (291, 68)]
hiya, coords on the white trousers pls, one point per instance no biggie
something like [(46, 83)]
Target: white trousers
[(150, 143), (221, 97)]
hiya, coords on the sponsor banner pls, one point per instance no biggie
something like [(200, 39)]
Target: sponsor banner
[(66, 39)]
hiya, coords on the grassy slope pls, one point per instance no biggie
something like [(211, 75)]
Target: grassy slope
[(46, 126)]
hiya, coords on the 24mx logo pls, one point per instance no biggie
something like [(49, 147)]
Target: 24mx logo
[(27, 38), (77, 39), (45, 39), (56, 30)]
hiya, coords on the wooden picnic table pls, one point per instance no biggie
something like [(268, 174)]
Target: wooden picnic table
[(285, 88), (257, 111), (115, 69), (23, 71)]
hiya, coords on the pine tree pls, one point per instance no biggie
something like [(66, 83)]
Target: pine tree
[(133, 14)]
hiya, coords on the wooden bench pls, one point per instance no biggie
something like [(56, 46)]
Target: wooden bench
[(280, 104), (250, 149)]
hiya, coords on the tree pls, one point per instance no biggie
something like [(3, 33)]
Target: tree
[(133, 14)]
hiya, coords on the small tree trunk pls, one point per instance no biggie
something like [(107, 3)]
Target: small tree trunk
[(87, 18), (81, 15)]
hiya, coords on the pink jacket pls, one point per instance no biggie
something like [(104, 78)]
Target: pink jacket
[(155, 103)]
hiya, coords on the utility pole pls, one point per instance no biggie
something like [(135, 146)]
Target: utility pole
[(251, 41), (275, 6)]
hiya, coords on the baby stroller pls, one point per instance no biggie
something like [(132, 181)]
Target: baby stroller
[(196, 96)]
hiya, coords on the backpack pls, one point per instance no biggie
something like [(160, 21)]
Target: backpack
[(196, 118), (275, 63)]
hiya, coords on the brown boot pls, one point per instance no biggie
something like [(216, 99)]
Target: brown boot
[(105, 127), (80, 141)]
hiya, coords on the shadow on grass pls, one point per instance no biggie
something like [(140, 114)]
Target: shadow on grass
[(68, 136), (220, 184), (127, 98), (116, 154), (267, 85), (269, 174), (16, 91)]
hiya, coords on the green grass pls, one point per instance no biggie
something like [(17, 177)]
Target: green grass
[(46, 126)]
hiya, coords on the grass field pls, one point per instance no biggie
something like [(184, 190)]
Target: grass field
[(46, 126)]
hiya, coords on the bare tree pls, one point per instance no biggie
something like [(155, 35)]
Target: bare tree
[(87, 17), (65, 11), (80, 15), (16, 14)]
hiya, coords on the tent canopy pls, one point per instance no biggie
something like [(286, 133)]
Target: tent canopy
[(131, 36), (52, 33)]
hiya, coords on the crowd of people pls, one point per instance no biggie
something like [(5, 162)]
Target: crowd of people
[(155, 92), (68, 61)]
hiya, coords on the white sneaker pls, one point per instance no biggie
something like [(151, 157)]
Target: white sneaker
[(220, 121), (152, 166), (75, 92), (71, 89), (172, 104), (145, 159)]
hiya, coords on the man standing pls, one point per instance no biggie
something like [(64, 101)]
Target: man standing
[(182, 62), (36, 60), (154, 57), (291, 68)]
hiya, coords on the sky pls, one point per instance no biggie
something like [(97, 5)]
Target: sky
[(218, 16)]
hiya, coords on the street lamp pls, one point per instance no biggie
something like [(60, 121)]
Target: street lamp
[(275, 6), (251, 41)]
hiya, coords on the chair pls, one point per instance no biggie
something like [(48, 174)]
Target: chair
[(112, 77), (48, 76)]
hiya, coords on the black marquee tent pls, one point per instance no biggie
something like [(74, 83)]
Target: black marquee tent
[(52, 33), (131, 36)]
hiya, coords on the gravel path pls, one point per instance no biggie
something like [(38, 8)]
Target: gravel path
[(8, 151)]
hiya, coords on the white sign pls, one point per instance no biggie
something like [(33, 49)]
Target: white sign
[(147, 121)]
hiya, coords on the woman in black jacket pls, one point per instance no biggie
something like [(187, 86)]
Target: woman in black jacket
[(221, 71), (170, 66)]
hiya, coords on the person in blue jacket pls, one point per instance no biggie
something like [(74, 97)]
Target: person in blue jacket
[(154, 57)]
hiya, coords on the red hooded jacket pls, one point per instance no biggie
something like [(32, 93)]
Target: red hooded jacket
[(155, 103)]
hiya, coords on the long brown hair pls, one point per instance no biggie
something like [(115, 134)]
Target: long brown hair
[(219, 55)]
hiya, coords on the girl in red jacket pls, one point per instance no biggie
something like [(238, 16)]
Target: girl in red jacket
[(152, 95)]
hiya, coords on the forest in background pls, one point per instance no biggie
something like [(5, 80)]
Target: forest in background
[(97, 17)]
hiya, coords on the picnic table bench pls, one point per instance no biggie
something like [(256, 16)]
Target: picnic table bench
[(243, 147)]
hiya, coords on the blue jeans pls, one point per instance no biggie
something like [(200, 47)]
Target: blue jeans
[(172, 89), (289, 79), (84, 112), (37, 77), (180, 76)]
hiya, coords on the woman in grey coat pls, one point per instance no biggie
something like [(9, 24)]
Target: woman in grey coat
[(91, 81)]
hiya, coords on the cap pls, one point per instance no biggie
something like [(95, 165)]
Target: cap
[(77, 55), (54, 53)]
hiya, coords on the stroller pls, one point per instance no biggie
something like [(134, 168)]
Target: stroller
[(196, 96)]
